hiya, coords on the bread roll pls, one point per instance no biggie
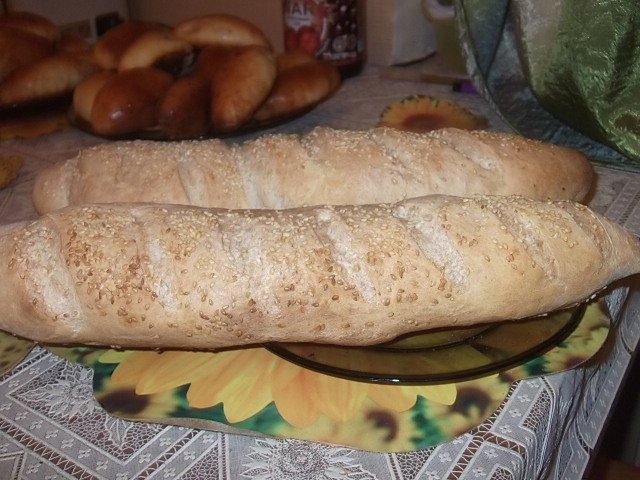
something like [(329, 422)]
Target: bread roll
[(154, 276), (325, 166), (109, 48), (221, 30), (128, 101), (19, 48), (157, 48), (241, 79), (31, 23), (184, 110), (48, 78), (85, 93), (298, 88)]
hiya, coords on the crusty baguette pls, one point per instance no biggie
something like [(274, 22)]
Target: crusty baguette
[(169, 276), (326, 166)]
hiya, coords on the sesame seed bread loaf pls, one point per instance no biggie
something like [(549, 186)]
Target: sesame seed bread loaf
[(163, 276), (325, 166)]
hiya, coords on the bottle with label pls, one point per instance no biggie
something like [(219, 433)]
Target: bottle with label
[(331, 30)]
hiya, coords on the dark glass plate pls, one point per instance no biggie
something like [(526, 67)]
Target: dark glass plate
[(438, 356)]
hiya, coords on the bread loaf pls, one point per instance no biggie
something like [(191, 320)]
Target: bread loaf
[(163, 276), (325, 166)]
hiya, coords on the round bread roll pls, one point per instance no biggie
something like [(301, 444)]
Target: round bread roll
[(128, 101), (18, 48), (297, 88), (49, 78), (31, 23), (241, 79), (220, 29), (86, 91), (184, 110), (110, 47), (157, 48)]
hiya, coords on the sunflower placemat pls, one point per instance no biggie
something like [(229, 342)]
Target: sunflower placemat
[(255, 391)]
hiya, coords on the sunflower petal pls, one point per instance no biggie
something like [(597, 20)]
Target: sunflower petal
[(339, 399), (393, 397), (172, 369), (133, 367), (296, 399), (234, 370)]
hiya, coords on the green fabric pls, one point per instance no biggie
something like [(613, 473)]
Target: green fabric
[(565, 71)]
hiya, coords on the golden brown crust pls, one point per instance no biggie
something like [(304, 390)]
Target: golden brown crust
[(166, 276), (156, 48), (31, 23), (221, 30), (241, 79), (19, 48), (109, 48), (128, 101), (297, 88), (184, 110), (48, 78), (85, 93)]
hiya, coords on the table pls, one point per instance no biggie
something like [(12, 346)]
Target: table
[(548, 427)]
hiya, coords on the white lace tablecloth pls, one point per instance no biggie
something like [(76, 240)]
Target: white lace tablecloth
[(51, 426)]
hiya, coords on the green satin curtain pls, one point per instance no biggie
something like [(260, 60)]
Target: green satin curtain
[(564, 71)]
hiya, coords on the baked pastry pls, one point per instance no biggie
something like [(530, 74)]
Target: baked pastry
[(85, 93), (220, 30), (240, 81), (184, 110), (128, 101), (297, 88), (32, 23), (110, 47), (19, 48), (157, 48), (49, 78), (325, 166), (168, 276)]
